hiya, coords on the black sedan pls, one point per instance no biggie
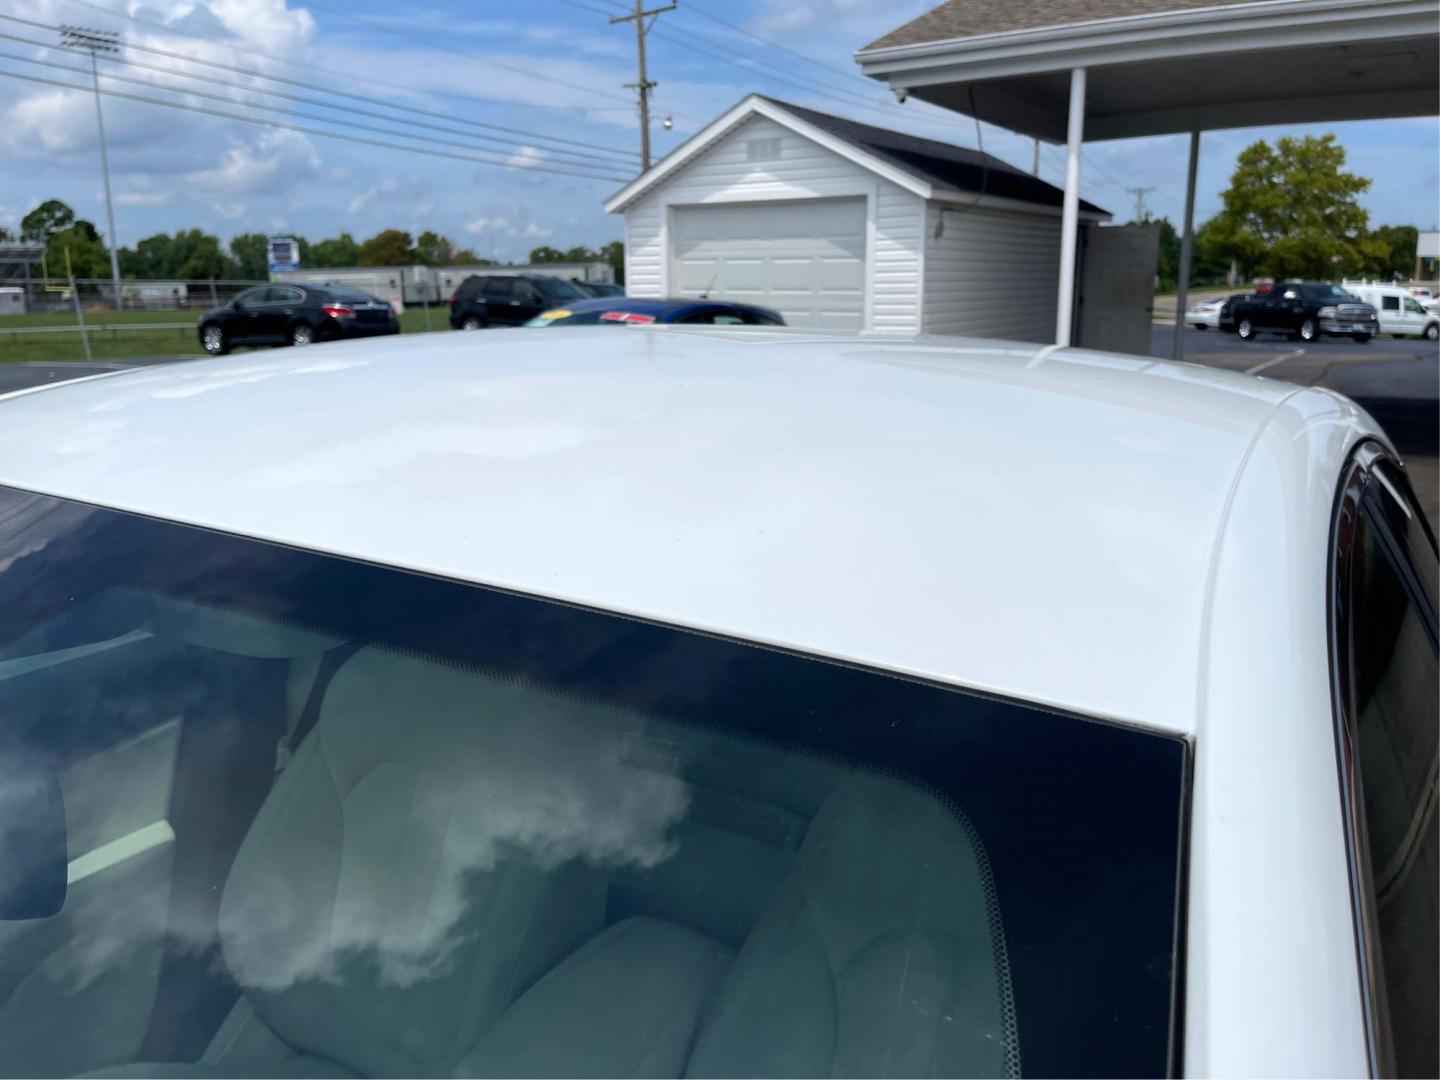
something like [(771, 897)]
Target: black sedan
[(294, 314)]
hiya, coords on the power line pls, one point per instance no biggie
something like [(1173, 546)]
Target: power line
[(528, 73), (757, 67), (324, 71), (1140, 193), (303, 130), (694, 9), (192, 92), (643, 84), (567, 157)]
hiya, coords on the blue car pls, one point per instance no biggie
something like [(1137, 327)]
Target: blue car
[(630, 309)]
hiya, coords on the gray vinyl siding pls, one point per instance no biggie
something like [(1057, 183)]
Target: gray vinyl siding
[(991, 273)]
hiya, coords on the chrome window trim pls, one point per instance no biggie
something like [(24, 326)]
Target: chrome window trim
[(1370, 969)]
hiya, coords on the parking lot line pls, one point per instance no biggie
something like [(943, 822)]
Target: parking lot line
[(1273, 361)]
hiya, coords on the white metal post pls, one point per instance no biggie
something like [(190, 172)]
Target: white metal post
[(1070, 218), (105, 172), (1187, 243)]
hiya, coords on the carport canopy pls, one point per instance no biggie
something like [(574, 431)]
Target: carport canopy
[(1114, 69)]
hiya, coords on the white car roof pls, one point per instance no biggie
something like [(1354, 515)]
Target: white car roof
[(1035, 522)]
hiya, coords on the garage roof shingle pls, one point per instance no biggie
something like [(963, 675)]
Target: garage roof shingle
[(943, 164), (971, 18)]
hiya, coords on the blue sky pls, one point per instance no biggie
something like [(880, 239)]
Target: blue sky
[(546, 70)]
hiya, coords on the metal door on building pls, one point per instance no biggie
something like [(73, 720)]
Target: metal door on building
[(1116, 302)]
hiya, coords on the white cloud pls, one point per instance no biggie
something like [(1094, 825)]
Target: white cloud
[(527, 157), (273, 162), (143, 198), (507, 226), (486, 224)]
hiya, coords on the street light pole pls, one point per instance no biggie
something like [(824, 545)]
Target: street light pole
[(94, 42), (644, 85)]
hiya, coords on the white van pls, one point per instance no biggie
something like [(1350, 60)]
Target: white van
[(1400, 313)]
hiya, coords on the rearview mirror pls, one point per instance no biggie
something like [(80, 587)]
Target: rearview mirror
[(33, 859)]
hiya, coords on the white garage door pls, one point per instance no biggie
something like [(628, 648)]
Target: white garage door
[(805, 259)]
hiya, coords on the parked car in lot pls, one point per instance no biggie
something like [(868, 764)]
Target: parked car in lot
[(638, 310), (294, 313), (1305, 311), (1397, 311), (598, 288), (496, 300), (1226, 317), (1205, 314), (701, 703)]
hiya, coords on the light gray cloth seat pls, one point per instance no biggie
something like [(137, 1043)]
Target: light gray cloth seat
[(387, 905), (627, 1004), (882, 956)]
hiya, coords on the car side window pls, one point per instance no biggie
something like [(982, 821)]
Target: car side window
[(499, 288), (286, 294), (1389, 303), (1391, 731), (526, 291), (252, 296), (1413, 306), (696, 318)]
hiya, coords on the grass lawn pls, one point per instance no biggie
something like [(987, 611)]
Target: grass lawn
[(178, 338)]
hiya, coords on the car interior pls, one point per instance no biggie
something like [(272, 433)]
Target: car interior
[(257, 848)]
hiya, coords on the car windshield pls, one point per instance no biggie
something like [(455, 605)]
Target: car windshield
[(555, 289), (1330, 293), (344, 292), (285, 813)]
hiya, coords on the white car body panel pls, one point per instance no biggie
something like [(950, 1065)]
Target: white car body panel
[(1132, 539), (1206, 313), (1268, 861)]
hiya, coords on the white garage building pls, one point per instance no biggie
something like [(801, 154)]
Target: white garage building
[(841, 225)]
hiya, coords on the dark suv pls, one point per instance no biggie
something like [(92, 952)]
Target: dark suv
[(493, 300), (1304, 310)]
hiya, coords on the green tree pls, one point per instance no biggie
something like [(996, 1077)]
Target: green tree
[(48, 218), (339, 250), (547, 254), (187, 254), (432, 249), (1292, 211), (1397, 259), (251, 254), (205, 258), (614, 254), (389, 247), (1205, 268), (89, 258), (467, 257)]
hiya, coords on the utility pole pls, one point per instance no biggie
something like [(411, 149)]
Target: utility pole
[(1140, 193), (644, 85), (94, 42)]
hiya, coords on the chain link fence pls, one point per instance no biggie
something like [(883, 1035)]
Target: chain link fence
[(97, 296)]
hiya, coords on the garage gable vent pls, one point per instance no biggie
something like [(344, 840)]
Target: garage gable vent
[(762, 150)]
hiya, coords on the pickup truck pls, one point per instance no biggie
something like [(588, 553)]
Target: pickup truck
[(1305, 310)]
